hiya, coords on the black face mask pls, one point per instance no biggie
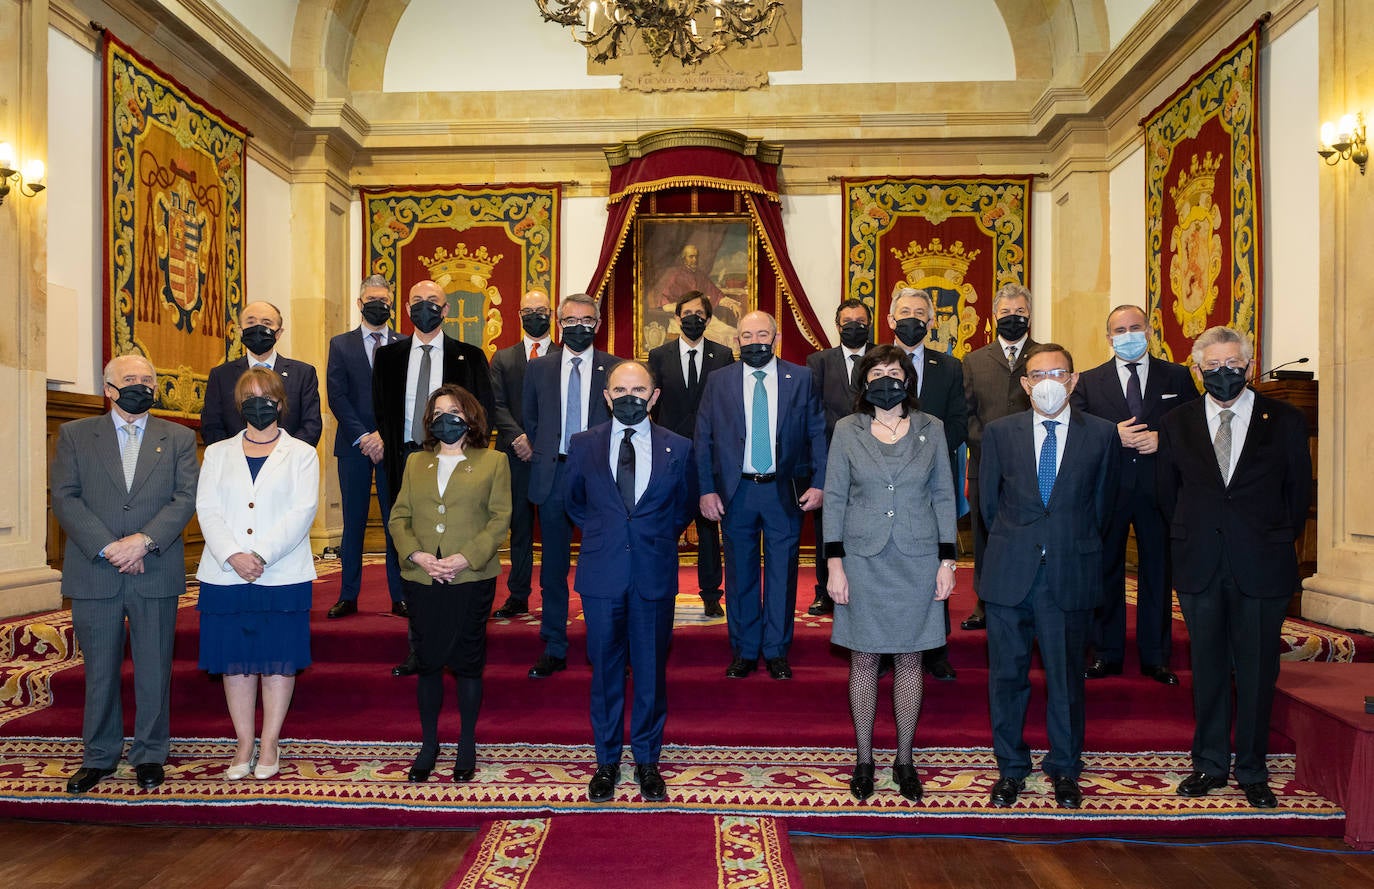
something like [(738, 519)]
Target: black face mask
[(578, 337), (1012, 327), (259, 411), (376, 312), (910, 331), (693, 326), (259, 339), (426, 316), (629, 409), (756, 355), (885, 392), (448, 428), (535, 325), (1224, 383), (854, 334), (135, 398)]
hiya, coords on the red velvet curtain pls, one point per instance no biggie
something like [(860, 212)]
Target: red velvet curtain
[(685, 182)]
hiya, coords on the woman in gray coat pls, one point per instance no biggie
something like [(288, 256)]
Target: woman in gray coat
[(889, 531)]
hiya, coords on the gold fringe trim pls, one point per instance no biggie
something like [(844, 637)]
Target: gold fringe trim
[(781, 281), (619, 245), (694, 182)]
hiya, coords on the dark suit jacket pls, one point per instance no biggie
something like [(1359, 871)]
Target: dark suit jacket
[(942, 396), (464, 364), (508, 392), (94, 508), (830, 378), (219, 418), (992, 390), (348, 386), (676, 409), (1256, 518), (1099, 392), (1068, 531), (721, 426), (624, 551), (543, 399)]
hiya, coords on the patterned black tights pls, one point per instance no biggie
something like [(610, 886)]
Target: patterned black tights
[(908, 685)]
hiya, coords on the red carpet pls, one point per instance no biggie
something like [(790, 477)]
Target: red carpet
[(596, 851)]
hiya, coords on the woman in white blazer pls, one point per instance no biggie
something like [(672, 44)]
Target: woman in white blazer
[(255, 509)]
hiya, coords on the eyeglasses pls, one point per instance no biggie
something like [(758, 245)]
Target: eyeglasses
[(565, 323), (534, 313), (1232, 363), (1057, 374)]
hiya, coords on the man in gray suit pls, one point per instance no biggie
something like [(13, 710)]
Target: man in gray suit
[(123, 489)]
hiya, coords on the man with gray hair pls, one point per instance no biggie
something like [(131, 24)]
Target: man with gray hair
[(123, 489), (1234, 477), (357, 443), (992, 388)]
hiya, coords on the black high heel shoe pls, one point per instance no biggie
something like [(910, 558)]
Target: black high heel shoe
[(908, 782), (422, 767), (861, 782), (462, 774)]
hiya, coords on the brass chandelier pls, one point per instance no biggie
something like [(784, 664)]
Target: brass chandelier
[(677, 28)]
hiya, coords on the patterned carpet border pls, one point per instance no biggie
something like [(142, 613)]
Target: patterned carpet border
[(351, 783)]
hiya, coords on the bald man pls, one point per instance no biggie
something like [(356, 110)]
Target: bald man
[(260, 327)]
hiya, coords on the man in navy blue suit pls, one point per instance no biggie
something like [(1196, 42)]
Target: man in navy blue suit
[(260, 326), (1048, 482), (632, 491), (1134, 390), (562, 397), (357, 444), (760, 452)]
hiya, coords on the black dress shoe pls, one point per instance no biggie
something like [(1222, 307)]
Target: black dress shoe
[(975, 621), (419, 772), (740, 667), (1067, 792), (778, 668), (86, 778), (602, 786), (711, 608), (399, 608), (942, 670), (908, 782), (462, 775), (861, 782), (408, 667), (1199, 784), (149, 774), (652, 789), (343, 608), (1005, 791), (513, 608), (1162, 675), (1100, 669), (547, 665), (823, 605), (1259, 795)]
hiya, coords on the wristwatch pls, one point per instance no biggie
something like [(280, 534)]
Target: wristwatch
[(149, 545), (950, 564)]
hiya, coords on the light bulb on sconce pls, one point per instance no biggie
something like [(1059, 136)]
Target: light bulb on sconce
[(30, 180), (1344, 141)]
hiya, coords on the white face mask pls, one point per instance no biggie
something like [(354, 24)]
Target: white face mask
[(1049, 396)]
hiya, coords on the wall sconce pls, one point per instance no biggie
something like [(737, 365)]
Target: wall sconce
[(1344, 141), (29, 180)]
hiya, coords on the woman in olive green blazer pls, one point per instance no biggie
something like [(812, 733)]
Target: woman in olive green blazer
[(450, 517)]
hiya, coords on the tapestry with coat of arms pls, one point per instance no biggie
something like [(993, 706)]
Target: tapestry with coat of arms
[(174, 227), (1202, 204), (958, 238), (485, 245)]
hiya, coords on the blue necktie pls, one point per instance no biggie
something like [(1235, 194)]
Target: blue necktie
[(572, 407), (760, 454), (1049, 453)]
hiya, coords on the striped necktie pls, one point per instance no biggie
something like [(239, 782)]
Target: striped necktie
[(129, 455), (1222, 444)]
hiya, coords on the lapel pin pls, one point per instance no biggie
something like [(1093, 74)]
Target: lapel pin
[(467, 468), (668, 450), (921, 437), (787, 376), (158, 450), (1264, 416)]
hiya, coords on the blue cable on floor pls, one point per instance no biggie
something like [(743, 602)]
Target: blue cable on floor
[(1068, 840)]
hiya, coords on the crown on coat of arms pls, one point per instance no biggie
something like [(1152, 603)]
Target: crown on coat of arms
[(1198, 180), (934, 261), (460, 265)]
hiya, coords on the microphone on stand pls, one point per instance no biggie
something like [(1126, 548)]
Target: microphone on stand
[(1273, 372)]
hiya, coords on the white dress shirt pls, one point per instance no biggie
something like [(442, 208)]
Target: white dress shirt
[(1019, 344), (1061, 437), (770, 386), (544, 343), (1243, 408), (436, 374), (1123, 373), (447, 463), (644, 452), (683, 347), (585, 369)]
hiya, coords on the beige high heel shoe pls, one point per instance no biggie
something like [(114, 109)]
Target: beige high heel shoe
[(237, 771), (263, 772)]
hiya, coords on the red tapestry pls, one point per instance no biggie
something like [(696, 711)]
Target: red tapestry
[(1202, 201)]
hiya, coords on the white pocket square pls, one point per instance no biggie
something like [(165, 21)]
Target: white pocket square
[(1168, 395)]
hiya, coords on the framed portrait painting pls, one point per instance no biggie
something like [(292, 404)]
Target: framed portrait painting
[(675, 255)]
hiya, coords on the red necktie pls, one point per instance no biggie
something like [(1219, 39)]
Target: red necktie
[(534, 351)]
